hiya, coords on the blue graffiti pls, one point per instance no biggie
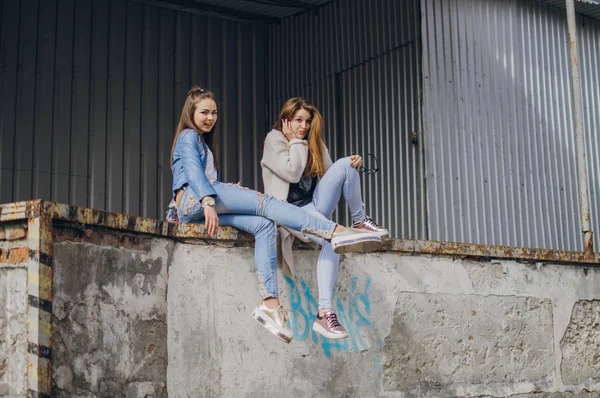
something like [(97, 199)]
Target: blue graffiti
[(353, 316)]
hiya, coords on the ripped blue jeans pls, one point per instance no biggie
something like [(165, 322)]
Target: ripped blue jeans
[(255, 213)]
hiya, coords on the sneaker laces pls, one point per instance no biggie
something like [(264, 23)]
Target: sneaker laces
[(368, 221), (332, 320)]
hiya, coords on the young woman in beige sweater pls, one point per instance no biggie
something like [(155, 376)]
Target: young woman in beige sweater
[(297, 167)]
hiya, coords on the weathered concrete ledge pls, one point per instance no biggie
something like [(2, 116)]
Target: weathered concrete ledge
[(124, 222), (104, 304)]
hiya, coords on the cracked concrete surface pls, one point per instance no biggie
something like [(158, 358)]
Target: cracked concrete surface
[(13, 331), (149, 317), (110, 320), (442, 339), (217, 349), (581, 344), (420, 326)]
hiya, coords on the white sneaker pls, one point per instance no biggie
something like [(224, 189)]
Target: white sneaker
[(355, 241), (274, 320)]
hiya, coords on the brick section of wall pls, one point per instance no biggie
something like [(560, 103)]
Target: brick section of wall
[(12, 231), (14, 256)]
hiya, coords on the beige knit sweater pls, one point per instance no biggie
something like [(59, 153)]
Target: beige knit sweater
[(283, 163)]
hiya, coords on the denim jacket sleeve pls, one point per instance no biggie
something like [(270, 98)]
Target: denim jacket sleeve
[(192, 152)]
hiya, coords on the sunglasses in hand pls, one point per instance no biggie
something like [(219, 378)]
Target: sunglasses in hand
[(375, 161)]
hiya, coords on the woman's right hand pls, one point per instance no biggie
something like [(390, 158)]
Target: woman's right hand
[(211, 220), (286, 129)]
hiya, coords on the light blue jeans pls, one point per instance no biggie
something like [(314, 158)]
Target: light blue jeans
[(341, 178), (255, 213)]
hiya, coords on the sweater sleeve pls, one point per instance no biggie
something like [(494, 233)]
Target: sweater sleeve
[(286, 159), (327, 158)]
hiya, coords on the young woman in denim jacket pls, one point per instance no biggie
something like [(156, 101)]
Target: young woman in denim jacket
[(297, 167), (199, 197)]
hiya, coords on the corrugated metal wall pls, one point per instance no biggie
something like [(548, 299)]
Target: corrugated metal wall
[(589, 44), (359, 62), (91, 91), (500, 144)]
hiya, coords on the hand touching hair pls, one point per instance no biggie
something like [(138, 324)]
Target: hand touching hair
[(315, 166)]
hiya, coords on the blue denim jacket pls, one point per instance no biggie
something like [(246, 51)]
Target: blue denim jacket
[(189, 165)]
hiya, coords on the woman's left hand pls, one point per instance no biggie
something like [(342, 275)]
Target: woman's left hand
[(356, 160), (211, 220), (286, 129)]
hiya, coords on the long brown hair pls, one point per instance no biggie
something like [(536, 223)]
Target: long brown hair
[(194, 96), (315, 167)]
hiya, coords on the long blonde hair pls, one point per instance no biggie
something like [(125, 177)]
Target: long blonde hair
[(315, 167), (194, 96)]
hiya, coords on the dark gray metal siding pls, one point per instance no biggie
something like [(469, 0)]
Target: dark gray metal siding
[(497, 108), (358, 61), (270, 9), (91, 91)]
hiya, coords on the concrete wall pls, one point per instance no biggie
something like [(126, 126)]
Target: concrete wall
[(13, 309), (419, 326), (109, 307), (137, 315)]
